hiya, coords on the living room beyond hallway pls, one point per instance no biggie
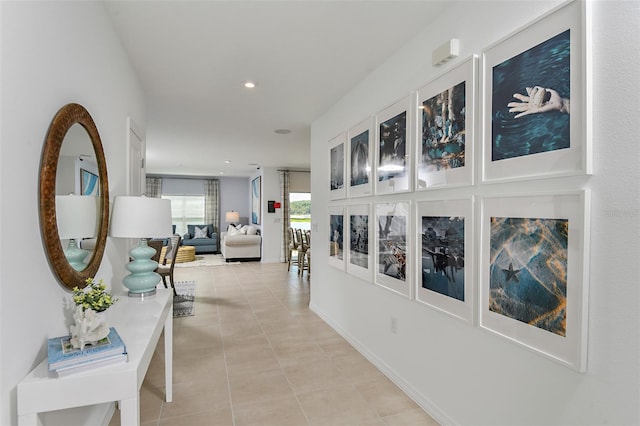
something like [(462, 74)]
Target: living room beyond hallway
[(254, 354)]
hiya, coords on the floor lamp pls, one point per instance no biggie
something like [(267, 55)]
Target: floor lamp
[(143, 218), (77, 217)]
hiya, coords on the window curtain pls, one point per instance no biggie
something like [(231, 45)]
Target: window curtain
[(286, 220), (153, 187), (212, 204)]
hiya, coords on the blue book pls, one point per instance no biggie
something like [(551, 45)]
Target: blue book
[(61, 352)]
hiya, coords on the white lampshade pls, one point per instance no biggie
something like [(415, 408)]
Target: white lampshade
[(140, 217), (232, 217), (77, 216)]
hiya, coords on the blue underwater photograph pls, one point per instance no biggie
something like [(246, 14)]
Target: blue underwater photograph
[(531, 100), (443, 255), (528, 271)]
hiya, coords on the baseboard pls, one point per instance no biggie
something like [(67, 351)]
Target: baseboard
[(425, 403), (242, 259)]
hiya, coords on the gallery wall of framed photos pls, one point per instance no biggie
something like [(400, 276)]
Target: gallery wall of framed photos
[(422, 198)]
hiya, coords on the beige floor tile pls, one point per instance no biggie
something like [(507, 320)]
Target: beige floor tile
[(385, 397), (277, 412), (338, 406), (221, 417), (413, 417), (258, 387), (321, 374), (197, 397)]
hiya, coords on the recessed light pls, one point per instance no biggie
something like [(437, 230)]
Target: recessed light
[(227, 161), (221, 173), (249, 84), (282, 131)]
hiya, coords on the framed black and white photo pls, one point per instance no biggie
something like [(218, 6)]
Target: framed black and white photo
[(536, 91), (358, 250), (446, 128), (360, 151), (393, 148), (445, 261), (337, 187), (534, 273), (393, 240), (336, 237)]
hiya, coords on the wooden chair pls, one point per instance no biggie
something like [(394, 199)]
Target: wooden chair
[(157, 245), (307, 236), (302, 251), (170, 255), (291, 247)]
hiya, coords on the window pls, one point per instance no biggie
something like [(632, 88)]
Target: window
[(300, 210), (186, 210)]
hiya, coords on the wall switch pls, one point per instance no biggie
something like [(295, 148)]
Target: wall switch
[(394, 325)]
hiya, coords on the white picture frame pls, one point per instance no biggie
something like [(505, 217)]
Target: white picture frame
[(534, 273), (336, 237), (337, 167), (360, 159), (446, 121), (549, 55), (444, 265), (393, 244), (394, 137), (359, 247)]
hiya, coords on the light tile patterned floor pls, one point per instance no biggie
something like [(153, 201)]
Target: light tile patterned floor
[(254, 354)]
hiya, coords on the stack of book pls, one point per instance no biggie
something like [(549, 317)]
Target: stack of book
[(65, 359)]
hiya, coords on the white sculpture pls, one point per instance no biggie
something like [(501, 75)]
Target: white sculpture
[(88, 329)]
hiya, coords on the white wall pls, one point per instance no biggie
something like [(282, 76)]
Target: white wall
[(459, 373), (52, 53), (270, 223)]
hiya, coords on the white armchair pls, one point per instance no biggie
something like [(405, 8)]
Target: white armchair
[(243, 243)]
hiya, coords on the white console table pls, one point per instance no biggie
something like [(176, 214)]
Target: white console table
[(139, 323)]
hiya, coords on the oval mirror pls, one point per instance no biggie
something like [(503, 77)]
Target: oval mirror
[(74, 196)]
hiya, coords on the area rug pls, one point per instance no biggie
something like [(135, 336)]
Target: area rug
[(183, 303), (205, 260)]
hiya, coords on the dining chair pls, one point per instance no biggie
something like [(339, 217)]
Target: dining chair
[(291, 247), (170, 256), (302, 251)]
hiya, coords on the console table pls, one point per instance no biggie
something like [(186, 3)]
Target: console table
[(139, 323)]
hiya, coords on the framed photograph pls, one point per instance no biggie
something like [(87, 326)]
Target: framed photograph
[(393, 146), (337, 167), (446, 123), (359, 254), (393, 240), (444, 269), (256, 190), (535, 95), (89, 183), (360, 159), (336, 237), (534, 273)]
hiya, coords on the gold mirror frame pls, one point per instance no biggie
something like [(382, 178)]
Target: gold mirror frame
[(66, 117)]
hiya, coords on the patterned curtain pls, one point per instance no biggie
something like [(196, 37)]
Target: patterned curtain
[(286, 220), (212, 204), (154, 187)]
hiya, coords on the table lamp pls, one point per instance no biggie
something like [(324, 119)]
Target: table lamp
[(232, 217), (77, 217), (143, 218)]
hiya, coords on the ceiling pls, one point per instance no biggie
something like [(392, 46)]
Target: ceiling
[(193, 56)]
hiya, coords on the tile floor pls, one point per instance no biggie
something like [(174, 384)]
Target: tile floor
[(254, 354)]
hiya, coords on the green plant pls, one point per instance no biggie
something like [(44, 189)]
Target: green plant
[(93, 296)]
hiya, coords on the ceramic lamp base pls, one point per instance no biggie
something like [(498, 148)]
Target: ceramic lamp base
[(75, 255), (143, 280)]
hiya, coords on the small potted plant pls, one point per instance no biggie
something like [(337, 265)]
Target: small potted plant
[(91, 324)]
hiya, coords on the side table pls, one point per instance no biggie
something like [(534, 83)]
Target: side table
[(139, 323)]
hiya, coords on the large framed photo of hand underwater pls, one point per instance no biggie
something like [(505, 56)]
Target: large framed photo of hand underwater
[(359, 252), (337, 146), (393, 242), (393, 148), (446, 128), (536, 99), (360, 138), (444, 264), (534, 273)]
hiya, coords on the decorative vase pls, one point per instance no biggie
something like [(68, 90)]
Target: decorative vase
[(89, 328)]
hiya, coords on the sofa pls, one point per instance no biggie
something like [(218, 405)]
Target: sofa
[(241, 243), (203, 237)]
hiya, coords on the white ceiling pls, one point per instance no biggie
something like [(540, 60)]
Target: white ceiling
[(192, 57)]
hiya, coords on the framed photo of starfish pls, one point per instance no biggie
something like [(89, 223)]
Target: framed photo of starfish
[(445, 257), (537, 99), (393, 242), (533, 273)]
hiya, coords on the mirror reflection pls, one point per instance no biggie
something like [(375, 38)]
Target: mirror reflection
[(77, 201)]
